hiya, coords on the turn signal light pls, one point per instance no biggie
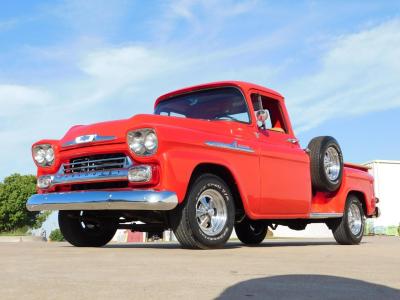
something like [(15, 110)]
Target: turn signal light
[(141, 173)]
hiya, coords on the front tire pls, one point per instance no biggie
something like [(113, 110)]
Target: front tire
[(349, 230), (251, 232), (205, 219), (82, 230)]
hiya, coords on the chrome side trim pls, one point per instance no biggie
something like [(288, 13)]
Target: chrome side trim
[(293, 140), (325, 215), (89, 138), (233, 146), (104, 200)]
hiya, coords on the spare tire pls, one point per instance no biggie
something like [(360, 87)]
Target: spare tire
[(326, 163)]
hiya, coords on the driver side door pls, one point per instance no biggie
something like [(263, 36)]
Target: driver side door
[(284, 166)]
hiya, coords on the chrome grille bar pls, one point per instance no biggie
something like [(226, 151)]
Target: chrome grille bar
[(100, 162), (94, 161), (96, 166)]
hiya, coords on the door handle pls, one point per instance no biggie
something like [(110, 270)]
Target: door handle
[(293, 141)]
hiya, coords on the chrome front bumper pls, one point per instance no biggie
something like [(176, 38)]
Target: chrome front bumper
[(104, 200)]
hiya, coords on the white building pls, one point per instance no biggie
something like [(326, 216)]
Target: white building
[(387, 186)]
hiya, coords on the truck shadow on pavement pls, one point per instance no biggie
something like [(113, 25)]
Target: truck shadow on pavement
[(304, 286)]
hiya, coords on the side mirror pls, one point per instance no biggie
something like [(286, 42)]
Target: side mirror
[(262, 116)]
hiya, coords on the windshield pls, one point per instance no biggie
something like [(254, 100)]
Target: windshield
[(214, 104)]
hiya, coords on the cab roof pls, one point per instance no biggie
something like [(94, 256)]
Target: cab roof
[(245, 86)]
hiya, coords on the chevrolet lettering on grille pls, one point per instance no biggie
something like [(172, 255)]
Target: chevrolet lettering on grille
[(105, 173), (91, 176)]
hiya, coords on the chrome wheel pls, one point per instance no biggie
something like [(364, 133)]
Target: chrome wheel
[(332, 163), (354, 219), (211, 212)]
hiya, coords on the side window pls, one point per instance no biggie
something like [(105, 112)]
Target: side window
[(275, 121)]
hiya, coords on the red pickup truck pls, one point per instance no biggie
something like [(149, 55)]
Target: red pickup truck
[(211, 158)]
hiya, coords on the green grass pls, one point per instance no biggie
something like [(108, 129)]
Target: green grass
[(16, 232)]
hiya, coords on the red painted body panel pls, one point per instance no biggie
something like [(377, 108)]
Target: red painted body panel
[(273, 181), (354, 180)]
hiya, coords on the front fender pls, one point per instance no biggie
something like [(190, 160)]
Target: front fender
[(177, 167)]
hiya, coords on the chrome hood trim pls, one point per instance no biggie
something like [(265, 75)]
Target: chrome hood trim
[(89, 138)]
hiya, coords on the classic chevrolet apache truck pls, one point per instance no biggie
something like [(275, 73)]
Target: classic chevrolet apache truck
[(211, 158)]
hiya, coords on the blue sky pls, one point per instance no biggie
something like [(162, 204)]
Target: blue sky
[(76, 62)]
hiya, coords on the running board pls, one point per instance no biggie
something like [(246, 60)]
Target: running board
[(325, 215)]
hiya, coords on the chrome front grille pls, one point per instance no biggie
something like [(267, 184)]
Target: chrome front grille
[(100, 162)]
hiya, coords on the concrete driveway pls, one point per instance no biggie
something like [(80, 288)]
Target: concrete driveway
[(278, 269)]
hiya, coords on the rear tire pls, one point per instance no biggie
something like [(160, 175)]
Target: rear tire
[(80, 232), (251, 232), (349, 230), (205, 219), (326, 162)]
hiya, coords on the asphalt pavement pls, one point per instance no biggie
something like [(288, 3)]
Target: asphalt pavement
[(277, 269)]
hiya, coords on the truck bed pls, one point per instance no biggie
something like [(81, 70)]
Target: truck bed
[(355, 178)]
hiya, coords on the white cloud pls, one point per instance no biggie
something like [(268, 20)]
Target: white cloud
[(121, 64), (8, 24), (360, 73), (202, 18), (185, 8), (14, 99)]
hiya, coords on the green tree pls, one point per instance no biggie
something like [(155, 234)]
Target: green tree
[(14, 191), (56, 236)]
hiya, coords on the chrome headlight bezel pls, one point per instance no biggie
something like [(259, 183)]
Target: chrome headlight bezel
[(43, 155), (142, 142)]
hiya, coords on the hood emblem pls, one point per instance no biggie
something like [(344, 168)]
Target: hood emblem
[(89, 138), (85, 138)]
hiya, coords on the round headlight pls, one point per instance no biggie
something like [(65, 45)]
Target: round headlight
[(43, 155), (137, 143), (143, 141), (150, 141), (40, 156), (49, 155)]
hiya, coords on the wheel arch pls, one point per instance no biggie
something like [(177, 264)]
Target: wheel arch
[(361, 196), (224, 173)]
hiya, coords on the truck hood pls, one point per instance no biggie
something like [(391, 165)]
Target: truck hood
[(113, 132), (109, 132)]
